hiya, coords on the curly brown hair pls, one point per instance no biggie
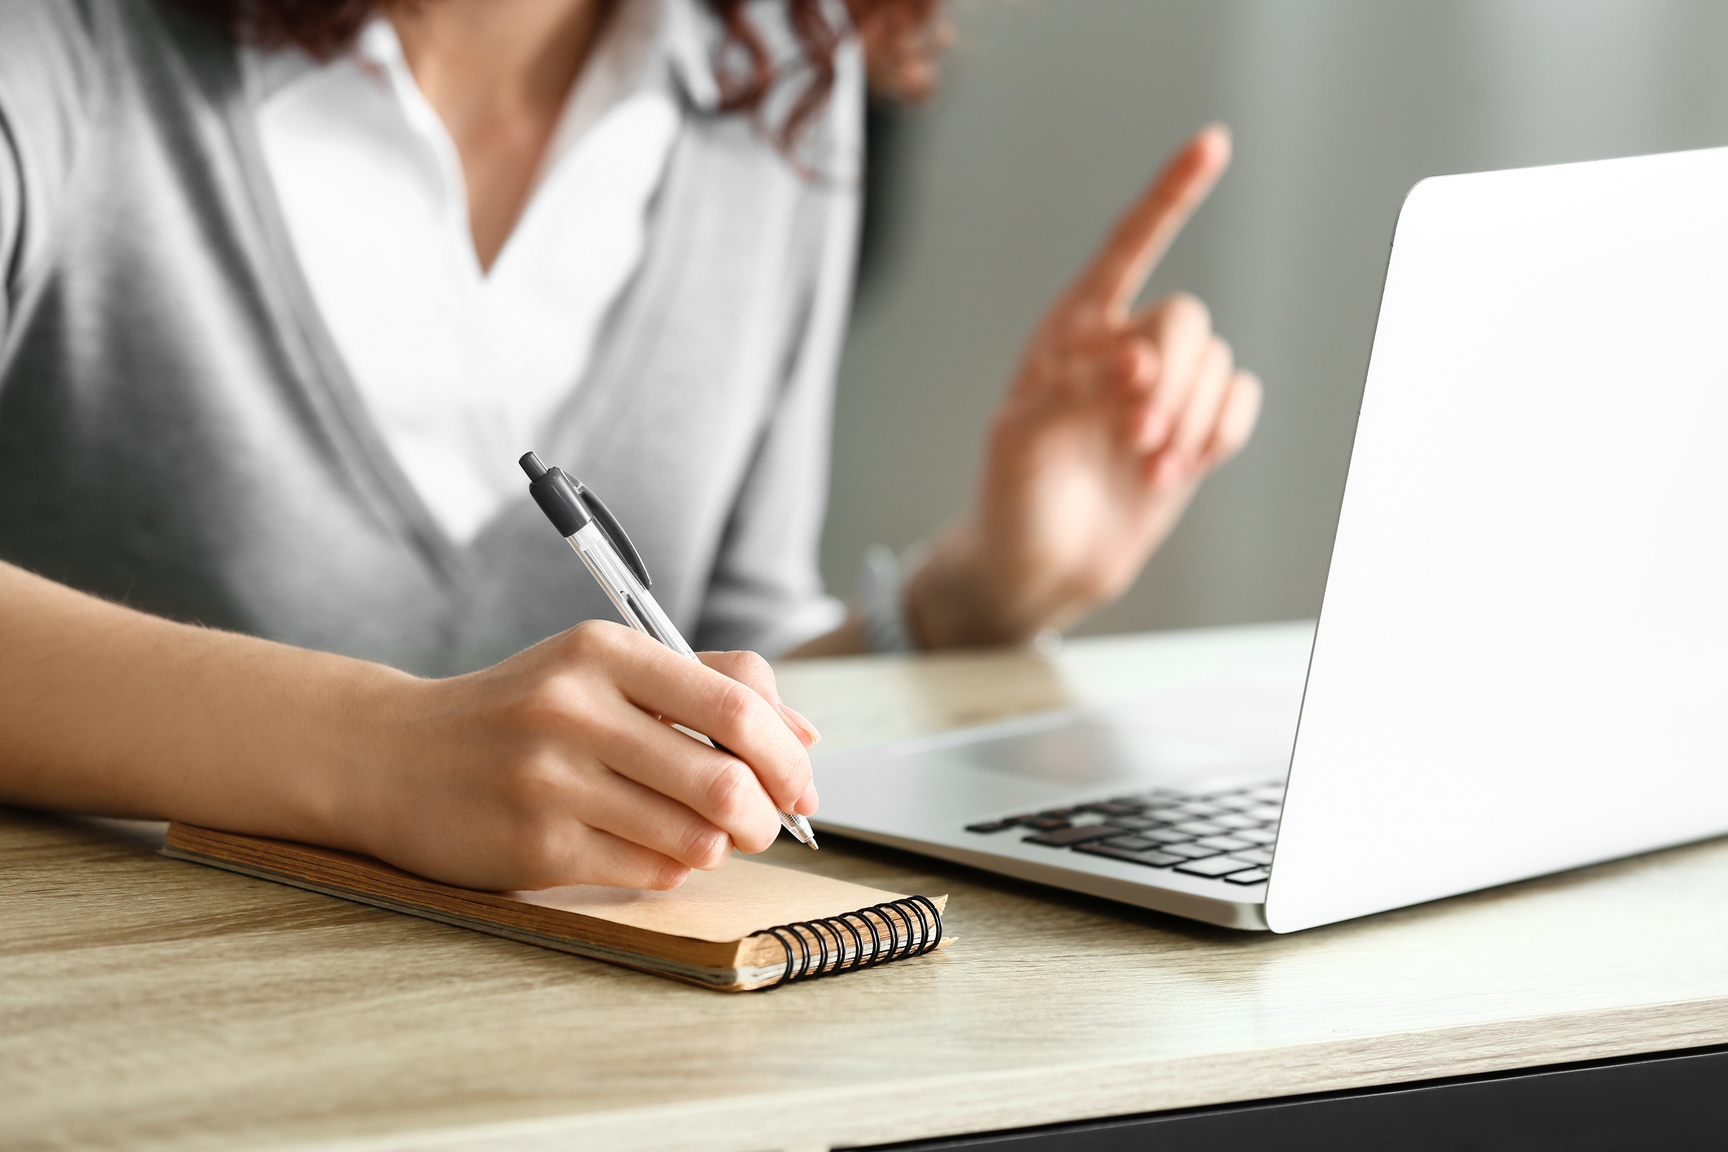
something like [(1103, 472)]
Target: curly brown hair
[(900, 38)]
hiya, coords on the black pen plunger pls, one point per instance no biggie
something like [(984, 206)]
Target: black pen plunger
[(556, 495), (531, 464)]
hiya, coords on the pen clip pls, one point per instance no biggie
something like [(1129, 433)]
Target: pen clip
[(614, 531)]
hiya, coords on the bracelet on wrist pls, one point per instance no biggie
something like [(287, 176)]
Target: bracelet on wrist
[(882, 601)]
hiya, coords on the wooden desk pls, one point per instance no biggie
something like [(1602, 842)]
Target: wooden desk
[(147, 1003)]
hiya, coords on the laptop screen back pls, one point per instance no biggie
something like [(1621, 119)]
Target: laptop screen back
[(1522, 658)]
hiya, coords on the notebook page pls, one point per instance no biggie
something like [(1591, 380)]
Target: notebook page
[(727, 904)]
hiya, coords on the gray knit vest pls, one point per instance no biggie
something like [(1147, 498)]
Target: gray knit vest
[(178, 432)]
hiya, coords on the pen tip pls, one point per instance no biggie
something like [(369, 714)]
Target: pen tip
[(814, 847)]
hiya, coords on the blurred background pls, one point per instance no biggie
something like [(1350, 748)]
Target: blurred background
[(1052, 115)]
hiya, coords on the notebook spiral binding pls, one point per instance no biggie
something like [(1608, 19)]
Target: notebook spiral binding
[(816, 948)]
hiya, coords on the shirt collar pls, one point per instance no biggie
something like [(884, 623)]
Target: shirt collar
[(630, 58), (692, 38), (683, 38)]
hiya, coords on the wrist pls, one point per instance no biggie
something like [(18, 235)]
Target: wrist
[(957, 599), (882, 614), (349, 741)]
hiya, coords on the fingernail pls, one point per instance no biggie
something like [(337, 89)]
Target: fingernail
[(807, 801), (799, 724)]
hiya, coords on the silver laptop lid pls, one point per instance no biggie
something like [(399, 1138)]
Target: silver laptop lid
[(1522, 657)]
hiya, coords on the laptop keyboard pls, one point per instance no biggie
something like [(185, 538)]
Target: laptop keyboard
[(1220, 835)]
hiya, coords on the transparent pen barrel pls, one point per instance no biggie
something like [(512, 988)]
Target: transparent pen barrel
[(633, 601)]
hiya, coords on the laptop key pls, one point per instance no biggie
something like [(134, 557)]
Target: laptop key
[(1135, 843), (1065, 837), (1150, 856), (1192, 851), (1252, 876), (1200, 828), (1215, 866), (1137, 823), (1256, 855), (1201, 810), (1223, 843), (1046, 823), (1111, 808), (1235, 820), (992, 826), (1257, 835), (1166, 835)]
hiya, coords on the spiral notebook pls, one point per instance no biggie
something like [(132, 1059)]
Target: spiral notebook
[(742, 927)]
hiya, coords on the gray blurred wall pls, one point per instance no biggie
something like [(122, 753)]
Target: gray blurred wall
[(1052, 115)]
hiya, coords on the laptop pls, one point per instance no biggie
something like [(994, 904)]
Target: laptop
[(1521, 660)]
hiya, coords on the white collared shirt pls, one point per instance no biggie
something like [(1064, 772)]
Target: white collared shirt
[(462, 369)]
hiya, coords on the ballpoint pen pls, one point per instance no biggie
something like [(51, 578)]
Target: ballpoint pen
[(589, 527)]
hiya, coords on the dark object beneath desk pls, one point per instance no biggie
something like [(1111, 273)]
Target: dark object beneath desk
[(1673, 1102)]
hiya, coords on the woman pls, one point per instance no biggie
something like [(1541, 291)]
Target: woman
[(291, 283)]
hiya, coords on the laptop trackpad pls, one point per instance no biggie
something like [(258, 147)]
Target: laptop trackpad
[(1090, 752), (1041, 761)]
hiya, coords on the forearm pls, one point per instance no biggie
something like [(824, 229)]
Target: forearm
[(108, 710)]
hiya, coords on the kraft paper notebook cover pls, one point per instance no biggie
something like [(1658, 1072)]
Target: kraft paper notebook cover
[(742, 927)]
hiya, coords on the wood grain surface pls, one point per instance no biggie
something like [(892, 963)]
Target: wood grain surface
[(148, 1003)]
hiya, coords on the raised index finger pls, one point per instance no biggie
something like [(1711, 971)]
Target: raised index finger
[(1146, 230)]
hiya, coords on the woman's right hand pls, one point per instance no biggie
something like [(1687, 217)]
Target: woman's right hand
[(558, 766), (552, 767)]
